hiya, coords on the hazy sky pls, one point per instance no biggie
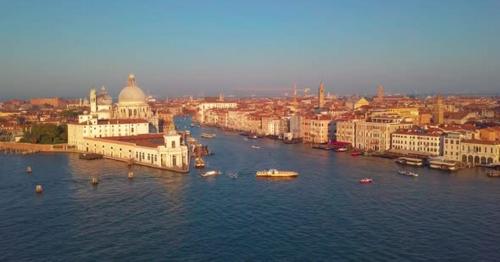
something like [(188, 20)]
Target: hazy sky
[(62, 48)]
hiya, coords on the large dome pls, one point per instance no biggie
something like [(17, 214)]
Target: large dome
[(131, 94)]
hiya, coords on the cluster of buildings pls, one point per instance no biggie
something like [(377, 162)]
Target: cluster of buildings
[(456, 128), (128, 130)]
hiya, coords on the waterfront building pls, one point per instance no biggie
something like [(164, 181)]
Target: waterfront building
[(373, 134), (165, 151), (418, 141), (451, 147), (52, 101), (317, 129), (205, 106), (475, 152)]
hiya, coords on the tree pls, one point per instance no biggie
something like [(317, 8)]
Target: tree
[(46, 134)]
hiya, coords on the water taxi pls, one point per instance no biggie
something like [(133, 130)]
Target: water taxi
[(441, 163), (366, 180), (276, 173), (199, 163), (410, 161), (207, 135), (211, 173), (407, 173)]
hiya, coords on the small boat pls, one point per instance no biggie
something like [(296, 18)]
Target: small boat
[(493, 174), (90, 156), (366, 180), (130, 175), (94, 181), (256, 147), (322, 147), (211, 173), (207, 135), (199, 163), (29, 170), (407, 173), (341, 149), (356, 153), (253, 136), (276, 173), (39, 189)]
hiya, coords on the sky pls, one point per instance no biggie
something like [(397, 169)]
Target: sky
[(200, 48)]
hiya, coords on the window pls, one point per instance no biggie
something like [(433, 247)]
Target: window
[(173, 144)]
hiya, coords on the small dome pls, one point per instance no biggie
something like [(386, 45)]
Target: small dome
[(131, 94)]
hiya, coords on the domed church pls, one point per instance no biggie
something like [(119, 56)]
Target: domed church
[(132, 102), (131, 105)]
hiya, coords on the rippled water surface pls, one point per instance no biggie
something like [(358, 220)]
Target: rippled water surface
[(323, 215)]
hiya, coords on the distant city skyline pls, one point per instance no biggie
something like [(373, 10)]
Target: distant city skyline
[(177, 48)]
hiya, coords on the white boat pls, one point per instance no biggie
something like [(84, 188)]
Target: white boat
[(276, 173), (207, 135), (130, 175), (341, 149), (407, 173), (28, 169), (211, 173), (256, 147)]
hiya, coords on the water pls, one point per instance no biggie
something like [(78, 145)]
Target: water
[(323, 215)]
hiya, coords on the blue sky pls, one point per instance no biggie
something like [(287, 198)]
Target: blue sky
[(62, 48)]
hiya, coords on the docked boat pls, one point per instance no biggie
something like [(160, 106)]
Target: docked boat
[(407, 173), (211, 173), (441, 163), (341, 149), (366, 180), (276, 173), (356, 153), (90, 156), (322, 147), (199, 163), (207, 135), (493, 174), (410, 161)]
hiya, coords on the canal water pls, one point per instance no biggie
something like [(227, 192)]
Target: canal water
[(323, 215)]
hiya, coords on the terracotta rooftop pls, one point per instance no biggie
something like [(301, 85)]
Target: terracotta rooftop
[(145, 140)]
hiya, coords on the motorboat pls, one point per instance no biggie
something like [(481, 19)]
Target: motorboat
[(211, 173), (407, 173), (255, 147), (276, 173), (356, 153), (207, 135), (341, 149), (366, 180), (29, 170), (199, 163)]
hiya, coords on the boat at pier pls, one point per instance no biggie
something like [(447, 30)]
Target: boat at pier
[(199, 163), (276, 173), (493, 174), (407, 173), (410, 161), (90, 156), (441, 163), (211, 173), (356, 153), (208, 135)]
